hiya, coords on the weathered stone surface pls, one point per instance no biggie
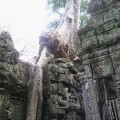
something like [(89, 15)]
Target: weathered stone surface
[(4, 105), (62, 94), (18, 110), (107, 26), (89, 43), (89, 86), (98, 19), (14, 75), (101, 62), (90, 100), (102, 68), (108, 38)]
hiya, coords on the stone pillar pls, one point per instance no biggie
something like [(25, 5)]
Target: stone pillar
[(117, 87), (90, 99)]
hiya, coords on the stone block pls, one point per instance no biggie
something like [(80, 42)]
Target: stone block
[(102, 68), (112, 11), (86, 57), (50, 76), (117, 68), (4, 105), (108, 38), (107, 2), (110, 25), (97, 59), (107, 26), (55, 111), (117, 17), (4, 116), (63, 65), (53, 89), (89, 43), (116, 79), (98, 19), (117, 102), (78, 64), (114, 48), (24, 77), (2, 43), (100, 29), (18, 110), (88, 71), (4, 101), (9, 43), (62, 78), (87, 34), (98, 53), (118, 30), (115, 57)]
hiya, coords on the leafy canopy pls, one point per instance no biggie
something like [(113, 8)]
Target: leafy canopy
[(57, 5)]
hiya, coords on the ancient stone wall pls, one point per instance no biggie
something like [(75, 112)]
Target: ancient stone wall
[(100, 52), (87, 88), (14, 75), (62, 98)]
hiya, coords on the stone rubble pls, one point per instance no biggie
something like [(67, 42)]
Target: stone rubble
[(87, 88)]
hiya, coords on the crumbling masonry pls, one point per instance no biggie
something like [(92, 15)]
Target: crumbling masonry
[(87, 88)]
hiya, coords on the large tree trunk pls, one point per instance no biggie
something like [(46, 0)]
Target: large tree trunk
[(69, 24), (62, 42), (34, 94)]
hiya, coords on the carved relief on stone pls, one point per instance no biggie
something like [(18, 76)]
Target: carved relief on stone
[(107, 96), (4, 105), (62, 95), (90, 100), (17, 110), (12, 80), (102, 68)]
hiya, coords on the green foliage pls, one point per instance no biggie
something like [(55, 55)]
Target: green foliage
[(56, 5), (83, 20), (83, 11), (53, 24), (84, 6)]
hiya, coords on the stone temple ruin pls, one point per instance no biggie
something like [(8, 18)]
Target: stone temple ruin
[(87, 88)]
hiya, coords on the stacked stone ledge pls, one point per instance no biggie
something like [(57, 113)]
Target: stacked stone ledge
[(13, 78), (62, 98), (100, 52)]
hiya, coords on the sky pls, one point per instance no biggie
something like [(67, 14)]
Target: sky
[(25, 20)]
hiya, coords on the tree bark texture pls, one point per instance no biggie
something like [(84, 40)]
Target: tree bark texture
[(62, 42), (35, 94), (69, 24)]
